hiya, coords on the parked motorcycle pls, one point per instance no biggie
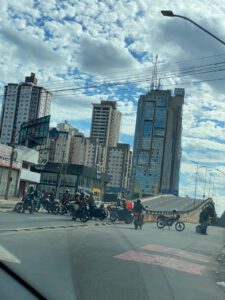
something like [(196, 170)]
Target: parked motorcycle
[(98, 212), (81, 212), (121, 214), (138, 220), (66, 208), (50, 206), (24, 204), (170, 221)]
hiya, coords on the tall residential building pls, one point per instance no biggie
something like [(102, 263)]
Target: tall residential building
[(68, 127), (118, 168), (22, 102), (106, 123), (157, 143), (59, 146), (77, 149), (94, 153)]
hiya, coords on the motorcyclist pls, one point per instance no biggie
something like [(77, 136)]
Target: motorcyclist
[(203, 220), (82, 199), (66, 197), (52, 195), (91, 203), (31, 195), (139, 208), (119, 202)]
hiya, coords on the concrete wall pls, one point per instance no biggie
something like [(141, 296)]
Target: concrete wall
[(191, 216)]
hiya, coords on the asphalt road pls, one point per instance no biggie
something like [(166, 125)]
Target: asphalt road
[(13, 220), (117, 262), (169, 203)]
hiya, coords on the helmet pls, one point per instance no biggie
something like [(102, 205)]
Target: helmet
[(31, 186), (77, 194), (138, 200), (174, 211), (67, 190)]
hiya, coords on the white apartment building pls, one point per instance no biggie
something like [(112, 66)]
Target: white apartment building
[(106, 123), (21, 103), (119, 167), (59, 146), (77, 150), (66, 144), (95, 154)]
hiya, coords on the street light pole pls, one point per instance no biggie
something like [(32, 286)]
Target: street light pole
[(169, 13), (206, 169), (196, 182)]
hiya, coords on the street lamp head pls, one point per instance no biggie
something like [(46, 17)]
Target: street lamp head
[(167, 13)]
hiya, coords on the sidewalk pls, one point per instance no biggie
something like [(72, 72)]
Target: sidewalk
[(10, 203)]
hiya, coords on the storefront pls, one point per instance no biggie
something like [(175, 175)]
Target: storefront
[(76, 178), (21, 174)]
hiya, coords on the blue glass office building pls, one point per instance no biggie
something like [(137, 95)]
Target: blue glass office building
[(157, 143)]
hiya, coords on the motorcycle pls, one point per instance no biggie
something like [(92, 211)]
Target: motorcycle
[(49, 206), (138, 220), (170, 221), (80, 212), (98, 212), (66, 208), (121, 214), (24, 204)]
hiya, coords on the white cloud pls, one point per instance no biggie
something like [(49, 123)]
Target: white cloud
[(99, 56), (29, 49)]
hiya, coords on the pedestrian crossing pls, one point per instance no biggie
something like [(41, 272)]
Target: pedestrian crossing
[(172, 258)]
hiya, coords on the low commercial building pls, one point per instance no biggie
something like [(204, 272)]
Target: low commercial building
[(21, 175), (73, 177)]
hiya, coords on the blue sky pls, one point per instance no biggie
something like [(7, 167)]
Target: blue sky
[(73, 44)]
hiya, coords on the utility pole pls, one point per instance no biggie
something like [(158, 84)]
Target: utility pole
[(13, 145), (10, 165)]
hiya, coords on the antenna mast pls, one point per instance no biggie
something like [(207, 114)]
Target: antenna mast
[(154, 84)]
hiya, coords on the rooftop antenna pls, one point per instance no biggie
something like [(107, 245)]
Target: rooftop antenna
[(154, 74)]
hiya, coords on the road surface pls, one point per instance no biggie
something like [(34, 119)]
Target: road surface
[(107, 262)]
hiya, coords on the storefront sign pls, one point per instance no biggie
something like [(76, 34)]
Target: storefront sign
[(5, 153)]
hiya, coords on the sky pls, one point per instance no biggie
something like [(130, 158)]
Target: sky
[(105, 50)]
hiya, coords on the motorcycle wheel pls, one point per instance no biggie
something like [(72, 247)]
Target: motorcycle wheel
[(55, 210), (19, 207), (62, 210), (160, 224), (113, 217), (74, 216), (198, 228), (84, 217), (128, 219), (37, 207), (179, 226), (102, 216)]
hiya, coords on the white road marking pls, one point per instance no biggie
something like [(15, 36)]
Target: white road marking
[(7, 256)]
